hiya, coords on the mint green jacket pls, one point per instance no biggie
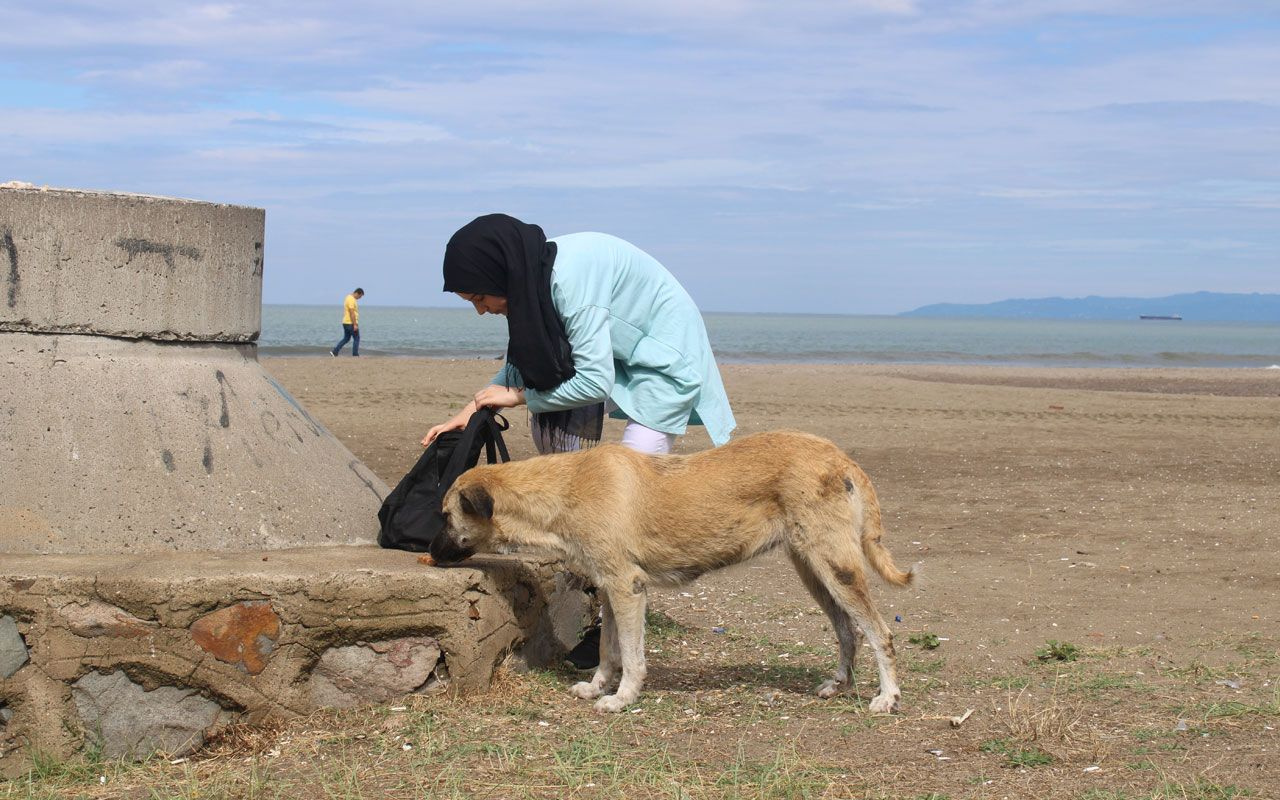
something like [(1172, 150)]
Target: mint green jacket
[(637, 340)]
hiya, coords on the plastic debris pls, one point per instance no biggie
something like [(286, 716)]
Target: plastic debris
[(897, 618), (1229, 684), (956, 722), (1181, 726), (717, 629)]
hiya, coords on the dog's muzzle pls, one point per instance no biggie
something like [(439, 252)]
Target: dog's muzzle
[(446, 551)]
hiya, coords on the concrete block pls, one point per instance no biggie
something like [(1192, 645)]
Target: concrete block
[(133, 266)]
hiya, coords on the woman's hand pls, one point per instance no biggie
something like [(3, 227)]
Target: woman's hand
[(452, 425), (494, 396), (458, 422)]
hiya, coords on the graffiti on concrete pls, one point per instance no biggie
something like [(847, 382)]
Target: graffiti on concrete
[(136, 247), (6, 244)]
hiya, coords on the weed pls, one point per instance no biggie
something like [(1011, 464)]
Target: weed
[(1055, 650), (1030, 757), (929, 641)]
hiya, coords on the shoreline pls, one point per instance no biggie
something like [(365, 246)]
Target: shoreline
[(319, 352), (1192, 380)]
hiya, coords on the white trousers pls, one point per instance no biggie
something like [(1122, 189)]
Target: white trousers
[(635, 436)]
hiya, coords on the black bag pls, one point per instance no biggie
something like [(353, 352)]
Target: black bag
[(410, 516)]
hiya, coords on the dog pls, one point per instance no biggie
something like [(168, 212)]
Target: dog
[(626, 521)]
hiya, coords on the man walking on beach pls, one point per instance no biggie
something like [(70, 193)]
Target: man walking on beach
[(350, 324)]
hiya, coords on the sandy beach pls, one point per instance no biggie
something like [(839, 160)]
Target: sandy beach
[(1095, 618), (1123, 507)]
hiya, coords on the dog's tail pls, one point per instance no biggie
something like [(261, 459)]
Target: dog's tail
[(877, 554)]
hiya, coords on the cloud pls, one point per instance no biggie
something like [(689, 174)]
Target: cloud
[(910, 135)]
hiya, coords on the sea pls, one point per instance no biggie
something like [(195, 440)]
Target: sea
[(295, 330)]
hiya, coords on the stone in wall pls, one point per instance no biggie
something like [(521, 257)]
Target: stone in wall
[(243, 634), (13, 650), (127, 721), (94, 618), (375, 672)]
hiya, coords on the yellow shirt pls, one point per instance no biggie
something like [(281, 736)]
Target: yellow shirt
[(350, 314)]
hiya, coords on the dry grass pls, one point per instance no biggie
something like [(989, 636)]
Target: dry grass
[(719, 730)]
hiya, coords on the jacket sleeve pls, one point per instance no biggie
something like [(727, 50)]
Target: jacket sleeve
[(508, 376), (588, 331)]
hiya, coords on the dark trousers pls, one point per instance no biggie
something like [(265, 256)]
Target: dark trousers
[(349, 334)]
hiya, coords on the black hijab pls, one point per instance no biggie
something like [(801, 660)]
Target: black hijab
[(499, 255)]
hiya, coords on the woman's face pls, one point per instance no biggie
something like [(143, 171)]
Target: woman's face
[(486, 303)]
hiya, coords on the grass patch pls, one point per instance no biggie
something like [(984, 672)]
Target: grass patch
[(1015, 755), (786, 775), (659, 626), (928, 666)]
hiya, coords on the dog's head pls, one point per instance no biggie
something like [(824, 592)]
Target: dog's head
[(469, 527)]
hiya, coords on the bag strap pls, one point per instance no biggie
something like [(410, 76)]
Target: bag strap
[(495, 438), (482, 423)]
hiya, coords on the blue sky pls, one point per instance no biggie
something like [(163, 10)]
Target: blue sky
[(867, 156)]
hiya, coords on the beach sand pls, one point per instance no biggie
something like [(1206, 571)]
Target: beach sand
[(1127, 507)]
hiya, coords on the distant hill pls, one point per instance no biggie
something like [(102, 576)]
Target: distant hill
[(1202, 306)]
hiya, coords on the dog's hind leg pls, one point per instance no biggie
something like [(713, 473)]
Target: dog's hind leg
[(841, 573), (847, 633), (628, 603), (610, 660)]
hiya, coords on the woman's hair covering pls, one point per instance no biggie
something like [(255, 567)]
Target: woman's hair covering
[(499, 255)]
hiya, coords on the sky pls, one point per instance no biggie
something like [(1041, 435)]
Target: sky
[(833, 156)]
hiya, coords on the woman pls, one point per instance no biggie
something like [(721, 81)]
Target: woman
[(595, 326)]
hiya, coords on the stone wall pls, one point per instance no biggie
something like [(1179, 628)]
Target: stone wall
[(154, 655)]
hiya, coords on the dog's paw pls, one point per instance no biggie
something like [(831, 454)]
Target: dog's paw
[(585, 690), (610, 704), (884, 704), (831, 688)]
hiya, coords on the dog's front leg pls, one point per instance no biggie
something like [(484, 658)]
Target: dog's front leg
[(628, 604), (610, 660)]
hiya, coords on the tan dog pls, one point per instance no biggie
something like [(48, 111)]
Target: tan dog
[(626, 521)]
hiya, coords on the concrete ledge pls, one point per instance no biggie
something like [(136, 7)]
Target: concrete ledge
[(133, 266), (119, 650)]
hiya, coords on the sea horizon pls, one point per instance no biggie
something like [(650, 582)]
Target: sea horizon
[(777, 337)]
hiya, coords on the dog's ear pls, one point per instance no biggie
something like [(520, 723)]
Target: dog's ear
[(476, 501)]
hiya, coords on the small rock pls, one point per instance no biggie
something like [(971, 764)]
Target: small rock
[(131, 722), (13, 649)]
